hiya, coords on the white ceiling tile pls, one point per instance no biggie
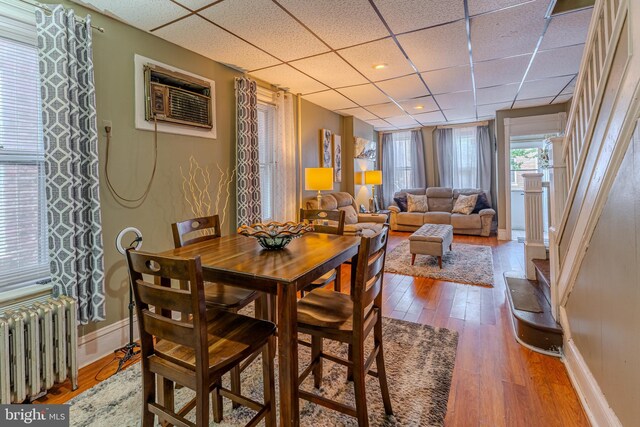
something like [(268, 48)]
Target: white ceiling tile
[(493, 95), (364, 94), (426, 102), (330, 69), (466, 113), (285, 76), (195, 4), (330, 99), (500, 71), (195, 33), (490, 109), (408, 15), (562, 98), (358, 112), (542, 88), (266, 25), (509, 32), (378, 124), (333, 20), (143, 14), (449, 80), (535, 102), (571, 87), (439, 47), (385, 110), (483, 6), (426, 119), (567, 29), (365, 56), (556, 62), (404, 120), (455, 100), (403, 87)]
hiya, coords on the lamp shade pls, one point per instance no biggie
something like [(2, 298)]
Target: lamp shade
[(318, 179), (373, 177)]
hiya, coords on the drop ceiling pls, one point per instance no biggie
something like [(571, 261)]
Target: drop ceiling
[(441, 61)]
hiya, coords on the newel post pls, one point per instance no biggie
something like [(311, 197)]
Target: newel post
[(533, 224)]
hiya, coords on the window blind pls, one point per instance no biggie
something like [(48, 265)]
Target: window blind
[(267, 158), (24, 255)]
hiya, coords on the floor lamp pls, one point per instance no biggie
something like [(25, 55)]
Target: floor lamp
[(318, 179), (373, 178)]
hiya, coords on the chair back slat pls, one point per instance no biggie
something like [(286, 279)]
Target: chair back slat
[(191, 331), (195, 230), (369, 273), (169, 329), (324, 221), (175, 299)]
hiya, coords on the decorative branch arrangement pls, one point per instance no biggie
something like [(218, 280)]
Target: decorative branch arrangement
[(196, 189)]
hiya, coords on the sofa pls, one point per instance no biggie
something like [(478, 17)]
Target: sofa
[(440, 202), (357, 224)]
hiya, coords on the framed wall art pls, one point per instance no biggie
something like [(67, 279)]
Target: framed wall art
[(325, 149), (337, 158)]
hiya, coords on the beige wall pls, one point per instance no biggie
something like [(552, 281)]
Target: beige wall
[(499, 129), (603, 308), (131, 152)]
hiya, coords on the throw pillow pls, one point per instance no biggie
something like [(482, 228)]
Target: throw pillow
[(350, 214), (401, 202), (481, 203), (417, 203), (465, 204)]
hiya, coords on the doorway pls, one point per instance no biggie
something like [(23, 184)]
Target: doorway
[(525, 154)]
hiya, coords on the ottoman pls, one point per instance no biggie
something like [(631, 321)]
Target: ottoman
[(431, 239)]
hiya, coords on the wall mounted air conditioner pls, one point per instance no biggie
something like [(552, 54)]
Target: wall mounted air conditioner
[(184, 103), (176, 98)]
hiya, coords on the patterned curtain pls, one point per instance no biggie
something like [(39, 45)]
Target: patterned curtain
[(71, 160), (247, 152)]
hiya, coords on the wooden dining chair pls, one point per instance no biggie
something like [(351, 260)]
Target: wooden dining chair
[(325, 314), (217, 295), (194, 352), (320, 220)]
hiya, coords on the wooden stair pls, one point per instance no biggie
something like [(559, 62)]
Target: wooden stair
[(538, 331)]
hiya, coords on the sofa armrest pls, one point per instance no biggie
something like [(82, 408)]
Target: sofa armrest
[(372, 217), (394, 208), (485, 212)]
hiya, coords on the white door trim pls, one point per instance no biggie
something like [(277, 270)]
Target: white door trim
[(522, 126)]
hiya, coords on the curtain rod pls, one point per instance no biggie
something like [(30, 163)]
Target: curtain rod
[(463, 125), (400, 130), (48, 12)]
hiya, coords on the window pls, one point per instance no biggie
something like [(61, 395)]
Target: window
[(465, 158), (403, 167), (522, 160), (24, 255), (267, 158)]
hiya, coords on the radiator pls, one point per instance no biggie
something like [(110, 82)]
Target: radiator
[(42, 340)]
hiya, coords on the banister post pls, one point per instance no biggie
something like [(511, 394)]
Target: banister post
[(533, 223)]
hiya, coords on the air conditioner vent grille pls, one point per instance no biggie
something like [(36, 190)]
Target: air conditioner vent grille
[(188, 107)]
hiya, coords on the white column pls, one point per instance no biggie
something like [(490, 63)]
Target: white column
[(533, 226)]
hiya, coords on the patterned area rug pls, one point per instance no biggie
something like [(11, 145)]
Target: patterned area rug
[(470, 264), (419, 361)]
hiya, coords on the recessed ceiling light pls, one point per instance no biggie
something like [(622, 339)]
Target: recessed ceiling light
[(419, 107), (380, 66)]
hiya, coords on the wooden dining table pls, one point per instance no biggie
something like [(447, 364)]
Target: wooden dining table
[(241, 261)]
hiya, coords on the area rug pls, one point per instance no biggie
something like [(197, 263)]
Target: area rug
[(419, 361), (469, 264)]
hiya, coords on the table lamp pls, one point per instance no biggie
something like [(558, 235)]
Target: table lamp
[(373, 178), (318, 179)]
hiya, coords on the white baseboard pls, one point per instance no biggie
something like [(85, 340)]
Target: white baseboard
[(98, 344), (503, 234), (593, 400)]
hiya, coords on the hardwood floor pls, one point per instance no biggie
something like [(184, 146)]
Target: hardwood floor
[(496, 381)]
